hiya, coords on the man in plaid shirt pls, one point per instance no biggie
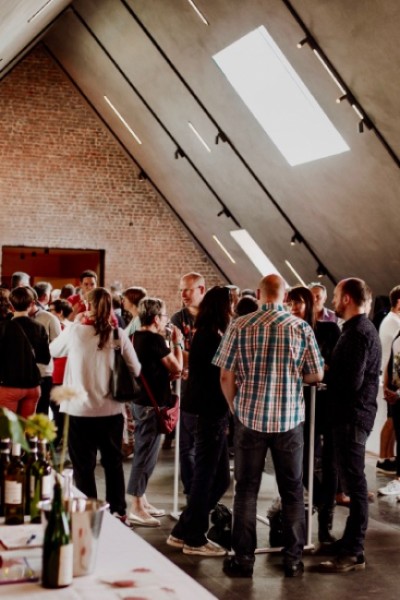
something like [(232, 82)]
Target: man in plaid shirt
[(265, 357)]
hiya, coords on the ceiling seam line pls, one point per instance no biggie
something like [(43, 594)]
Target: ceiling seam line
[(134, 160), (286, 218), (368, 121), (156, 117)]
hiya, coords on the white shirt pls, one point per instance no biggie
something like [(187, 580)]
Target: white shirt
[(388, 330), (90, 368)]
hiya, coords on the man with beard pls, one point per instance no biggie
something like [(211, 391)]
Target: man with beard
[(354, 380)]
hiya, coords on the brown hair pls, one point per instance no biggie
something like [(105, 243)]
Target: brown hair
[(100, 307)]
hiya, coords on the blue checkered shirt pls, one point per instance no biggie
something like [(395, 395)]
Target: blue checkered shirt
[(269, 351)]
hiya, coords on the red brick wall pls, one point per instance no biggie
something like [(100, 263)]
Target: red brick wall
[(66, 183)]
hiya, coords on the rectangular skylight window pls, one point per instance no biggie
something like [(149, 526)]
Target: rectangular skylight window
[(121, 118), (254, 252), (279, 100)]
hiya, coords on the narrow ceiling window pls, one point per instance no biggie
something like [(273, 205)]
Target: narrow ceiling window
[(254, 252), (279, 100)]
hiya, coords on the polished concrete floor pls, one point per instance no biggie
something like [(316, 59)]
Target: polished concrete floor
[(379, 580)]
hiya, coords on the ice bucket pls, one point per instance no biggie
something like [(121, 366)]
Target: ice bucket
[(86, 518)]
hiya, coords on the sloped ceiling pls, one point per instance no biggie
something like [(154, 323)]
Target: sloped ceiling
[(153, 60)]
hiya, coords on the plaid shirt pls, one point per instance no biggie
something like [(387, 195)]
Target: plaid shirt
[(269, 351)]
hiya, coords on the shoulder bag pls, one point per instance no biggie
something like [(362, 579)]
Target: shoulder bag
[(167, 416), (124, 387)]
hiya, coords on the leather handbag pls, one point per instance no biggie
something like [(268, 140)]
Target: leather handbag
[(167, 416), (124, 387)]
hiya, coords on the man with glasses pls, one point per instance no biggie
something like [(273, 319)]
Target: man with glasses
[(192, 289)]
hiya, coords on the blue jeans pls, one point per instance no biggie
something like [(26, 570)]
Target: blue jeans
[(147, 446), (350, 441), (187, 425), (287, 454), (211, 479)]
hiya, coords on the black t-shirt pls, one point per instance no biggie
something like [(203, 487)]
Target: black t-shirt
[(23, 343), (203, 394), (151, 348)]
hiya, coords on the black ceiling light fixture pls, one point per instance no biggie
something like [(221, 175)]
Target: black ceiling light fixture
[(321, 271), (225, 212), (179, 153), (220, 136), (296, 239), (142, 176)]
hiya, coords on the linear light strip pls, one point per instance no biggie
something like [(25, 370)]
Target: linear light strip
[(196, 133), (295, 273), (328, 70), (224, 249), (197, 11), (39, 11), (121, 118)]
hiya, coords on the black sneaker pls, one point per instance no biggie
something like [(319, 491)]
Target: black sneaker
[(386, 466), (294, 569), (234, 569), (344, 564)]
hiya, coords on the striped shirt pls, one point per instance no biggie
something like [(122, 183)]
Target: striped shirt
[(269, 351)]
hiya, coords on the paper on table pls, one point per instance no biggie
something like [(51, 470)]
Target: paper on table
[(21, 536)]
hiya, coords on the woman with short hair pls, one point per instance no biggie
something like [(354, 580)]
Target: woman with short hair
[(159, 365)]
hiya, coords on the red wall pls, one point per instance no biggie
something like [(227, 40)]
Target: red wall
[(66, 183)]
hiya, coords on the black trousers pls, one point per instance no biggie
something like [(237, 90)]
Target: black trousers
[(86, 436)]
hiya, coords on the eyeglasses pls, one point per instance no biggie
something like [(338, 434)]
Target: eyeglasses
[(188, 289), (162, 315)]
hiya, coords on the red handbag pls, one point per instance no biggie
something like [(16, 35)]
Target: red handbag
[(167, 416)]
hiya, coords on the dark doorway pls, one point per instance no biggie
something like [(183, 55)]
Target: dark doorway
[(56, 265)]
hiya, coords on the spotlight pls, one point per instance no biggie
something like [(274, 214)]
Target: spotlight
[(341, 98), (220, 136), (303, 42), (142, 176), (321, 272), (179, 153), (296, 239), (224, 211), (361, 126)]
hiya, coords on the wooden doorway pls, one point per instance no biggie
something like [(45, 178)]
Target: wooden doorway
[(56, 265)]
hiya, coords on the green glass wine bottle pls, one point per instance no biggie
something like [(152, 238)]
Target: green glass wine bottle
[(5, 444), (29, 459), (41, 480), (14, 488), (57, 567)]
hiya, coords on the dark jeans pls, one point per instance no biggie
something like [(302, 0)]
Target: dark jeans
[(287, 454), (46, 383), (147, 446), (187, 425), (86, 436), (325, 484), (350, 441), (211, 479), (395, 414)]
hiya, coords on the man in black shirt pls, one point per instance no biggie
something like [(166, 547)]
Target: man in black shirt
[(192, 289), (354, 380)]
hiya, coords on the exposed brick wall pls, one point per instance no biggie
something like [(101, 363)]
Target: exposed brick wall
[(66, 183)]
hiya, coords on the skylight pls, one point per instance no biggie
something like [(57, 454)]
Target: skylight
[(254, 252), (279, 100)]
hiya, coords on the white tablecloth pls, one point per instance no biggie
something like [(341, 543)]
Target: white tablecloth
[(122, 556)]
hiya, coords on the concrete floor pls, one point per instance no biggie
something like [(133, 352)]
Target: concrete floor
[(379, 580)]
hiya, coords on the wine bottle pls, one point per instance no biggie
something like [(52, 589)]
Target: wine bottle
[(30, 458), (41, 480), (4, 462), (57, 567), (14, 488)]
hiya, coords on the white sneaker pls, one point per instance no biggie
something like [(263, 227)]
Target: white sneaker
[(391, 489)]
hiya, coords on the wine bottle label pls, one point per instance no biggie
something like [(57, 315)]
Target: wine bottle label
[(66, 565), (12, 492), (32, 482), (47, 481)]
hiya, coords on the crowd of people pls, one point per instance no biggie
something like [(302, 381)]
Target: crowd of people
[(245, 361)]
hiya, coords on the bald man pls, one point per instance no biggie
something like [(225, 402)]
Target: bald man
[(265, 357)]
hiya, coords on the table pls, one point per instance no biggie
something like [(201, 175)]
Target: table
[(122, 555)]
